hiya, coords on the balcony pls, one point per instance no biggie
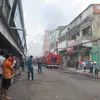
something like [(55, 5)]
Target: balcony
[(86, 41)]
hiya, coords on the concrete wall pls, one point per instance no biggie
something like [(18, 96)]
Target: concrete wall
[(96, 25), (62, 44), (79, 19)]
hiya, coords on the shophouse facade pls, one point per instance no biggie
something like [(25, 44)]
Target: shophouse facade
[(80, 39)]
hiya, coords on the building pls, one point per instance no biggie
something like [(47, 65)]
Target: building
[(46, 43), (80, 38), (12, 29), (54, 39)]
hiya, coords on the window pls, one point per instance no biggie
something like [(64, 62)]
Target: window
[(62, 39), (74, 37), (86, 31), (68, 28)]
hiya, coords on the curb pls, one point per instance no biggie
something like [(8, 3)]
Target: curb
[(83, 74)]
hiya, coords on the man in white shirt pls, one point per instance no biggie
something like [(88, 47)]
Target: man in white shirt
[(1, 62)]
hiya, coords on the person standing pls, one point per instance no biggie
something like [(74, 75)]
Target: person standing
[(1, 70), (76, 64), (30, 68), (91, 66), (96, 68), (39, 66), (84, 65), (23, 65), (1, 62), (80, 64), (6, 81)]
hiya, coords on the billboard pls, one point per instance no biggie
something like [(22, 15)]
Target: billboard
[(71, 49)]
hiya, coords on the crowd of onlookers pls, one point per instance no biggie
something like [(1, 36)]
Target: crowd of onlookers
[(92, 66), (8, 65)]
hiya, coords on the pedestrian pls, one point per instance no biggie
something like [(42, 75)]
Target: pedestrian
[(23, 65), (6, 81), (39, 66), (96, 68), (76, 64), (80, 64), (91, 66), (11, 60), (68, 63), (30, 68), (14, 63), (1, 70), (84, 65)]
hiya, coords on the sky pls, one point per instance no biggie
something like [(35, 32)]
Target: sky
[(41, 15)]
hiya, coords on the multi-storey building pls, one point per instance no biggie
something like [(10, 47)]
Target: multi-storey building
[(12, 30), (54, 39), (46, 43), (80, 38)]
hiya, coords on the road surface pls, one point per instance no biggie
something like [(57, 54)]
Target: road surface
[(56, 85)]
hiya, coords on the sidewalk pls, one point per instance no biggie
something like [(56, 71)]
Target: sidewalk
[(81, 72)]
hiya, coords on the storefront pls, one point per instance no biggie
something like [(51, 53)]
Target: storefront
[(84, 55), (94, 54), (74, 57)]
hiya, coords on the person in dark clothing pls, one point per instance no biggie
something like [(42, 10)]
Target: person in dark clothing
[(39, 66), (23, 65), (76, 64), (68, 63), (91, 66), (96, 68), (30, 68)]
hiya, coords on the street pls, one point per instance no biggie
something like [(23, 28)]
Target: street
[(56, 85)]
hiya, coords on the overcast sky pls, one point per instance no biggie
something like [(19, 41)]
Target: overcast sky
[(40, 15)]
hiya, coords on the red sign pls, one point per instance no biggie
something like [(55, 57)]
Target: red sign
[(71, 49)]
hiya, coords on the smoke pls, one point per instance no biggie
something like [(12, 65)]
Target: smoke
[(53, 17)]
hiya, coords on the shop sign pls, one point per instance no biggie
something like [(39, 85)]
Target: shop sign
[(71, 49), (62, 44), (88, 44), (78, 37), (94, 48), (71, 43)]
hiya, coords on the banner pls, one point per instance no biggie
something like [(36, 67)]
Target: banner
[(71, 49)]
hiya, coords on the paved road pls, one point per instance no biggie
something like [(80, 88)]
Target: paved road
[(56, 85)]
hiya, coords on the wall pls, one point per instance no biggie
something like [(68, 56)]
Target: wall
[(62, 44), (79, 19), (96, 25), (88, 12), (96, 9)]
